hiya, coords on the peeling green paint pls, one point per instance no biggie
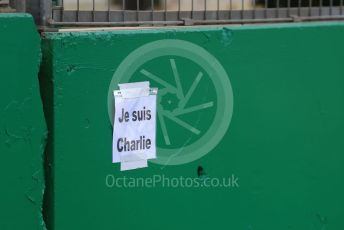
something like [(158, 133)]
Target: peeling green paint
[(285, 141), (22, 125)]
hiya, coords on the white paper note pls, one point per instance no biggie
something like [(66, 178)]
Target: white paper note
[(134, 134)]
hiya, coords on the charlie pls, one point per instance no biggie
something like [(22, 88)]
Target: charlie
[(123, 144)]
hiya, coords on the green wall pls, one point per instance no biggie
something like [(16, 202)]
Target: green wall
[(284, 142), (22, 125)]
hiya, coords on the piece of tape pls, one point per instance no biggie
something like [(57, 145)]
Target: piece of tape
[(133, 90), (133, 165)]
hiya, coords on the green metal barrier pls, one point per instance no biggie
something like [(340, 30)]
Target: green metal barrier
[(22, 125), (249, 137)]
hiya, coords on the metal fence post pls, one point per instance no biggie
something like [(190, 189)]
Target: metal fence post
[(46, 11), (41, 10)]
